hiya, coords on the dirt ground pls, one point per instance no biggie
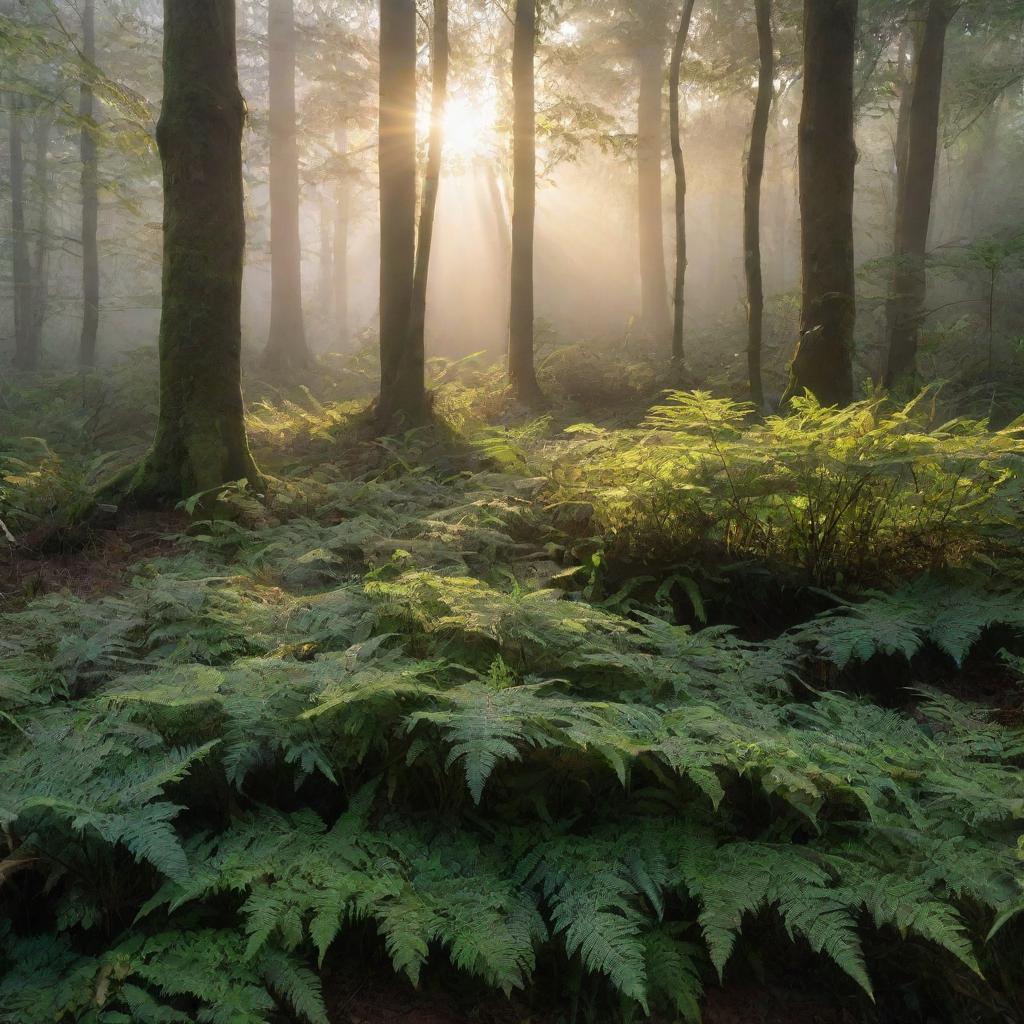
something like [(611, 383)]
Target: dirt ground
[(374, 1001), (97, 567)]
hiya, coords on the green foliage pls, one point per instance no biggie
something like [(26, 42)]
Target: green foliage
[(148, 979), (36, 483), (105, 778), (365, 714), (866, 493), (945, 611)]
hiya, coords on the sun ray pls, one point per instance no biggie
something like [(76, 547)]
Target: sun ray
[(470, 125)]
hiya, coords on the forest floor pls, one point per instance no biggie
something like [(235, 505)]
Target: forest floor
[(386, 1002), (98, 567), (625, 708)]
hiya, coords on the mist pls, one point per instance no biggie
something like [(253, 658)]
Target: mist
[(587, 268)]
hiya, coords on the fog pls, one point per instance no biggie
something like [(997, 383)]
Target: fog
[(586, 263)]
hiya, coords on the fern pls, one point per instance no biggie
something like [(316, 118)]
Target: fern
[(859, 493), (302, 879), (951, 614), (282, 732), (593, 905), (909, 905), (144, 979), (672, 972), (108, 780), (486, 720)]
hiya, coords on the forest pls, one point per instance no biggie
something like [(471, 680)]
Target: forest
[(511, 511)]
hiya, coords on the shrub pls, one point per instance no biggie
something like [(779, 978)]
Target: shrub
[(832, 497)]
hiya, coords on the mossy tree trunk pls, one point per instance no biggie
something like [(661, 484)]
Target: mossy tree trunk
[(403, 397), (287, 345), (521, 369), (653, 277), (752, 199), (90, 195), (200, 440), (905, 307), (439, 52), (823, 363), (679, 165)]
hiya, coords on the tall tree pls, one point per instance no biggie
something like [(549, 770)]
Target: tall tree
[(752, 198), (902, 85), (200, 440), (287, 344), (653, 278), (40, 269), (325, 283), (90, 194), (522, 372), (26, 357), (341, 219), (402, 387), (679, 164), (439, 50), (823, 363), (916, 184)]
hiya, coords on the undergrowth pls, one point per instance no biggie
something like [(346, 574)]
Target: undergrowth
[(826, 497), (386, 711)]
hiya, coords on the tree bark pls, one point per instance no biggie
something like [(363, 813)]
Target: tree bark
[(522, 372), (752, 199), (402, 388), (287, 346), (341, 218), (823, 363), (904, 80), (25, 356), (200, 440), (40, 292), (325, 285), (679, 294), (439, 49), (90, 195), (914, 201), (653, 278)]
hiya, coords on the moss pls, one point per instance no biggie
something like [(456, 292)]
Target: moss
[(200, 441)]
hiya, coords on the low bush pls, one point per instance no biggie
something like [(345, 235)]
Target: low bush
[(868, 494)]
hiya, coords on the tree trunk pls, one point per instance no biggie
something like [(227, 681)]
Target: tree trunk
[(522, 372), (675, 68), (287, 344), (90, 196), (439, 49), (653, 278), (903, 92), (25, 356), (40, 258), (752, 199), (914, 202), (200, 440), (402, 389), (341, 218), (324, 298), (823, 363)]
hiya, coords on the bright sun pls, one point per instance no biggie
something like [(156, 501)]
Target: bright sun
[(469, 125)]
